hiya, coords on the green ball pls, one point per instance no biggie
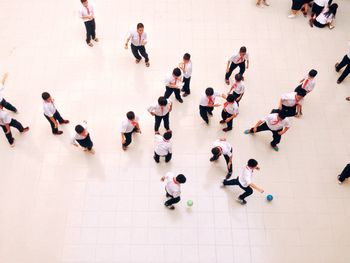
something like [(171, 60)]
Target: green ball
[(189, 202)]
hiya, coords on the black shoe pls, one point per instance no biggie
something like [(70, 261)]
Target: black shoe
[(338, 81), (157, 161), (171, 207), (210, 113), (223, 183), (64, 122), (241, 201), (180, 100), (212, 159), (336, 67), (228, 176), (226, 129), (58, 132)]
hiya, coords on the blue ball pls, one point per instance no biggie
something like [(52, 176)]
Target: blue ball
[(269, 198)]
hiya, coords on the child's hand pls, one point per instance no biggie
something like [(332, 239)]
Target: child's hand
[(126, 46)]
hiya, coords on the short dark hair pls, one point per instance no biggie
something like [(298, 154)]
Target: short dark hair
[(252, 163), (177, 72), (79, 129), (282, 114), (162, 101), (45, 95), (130, 115), (167, 136), (209, 91), (313, 73), (215, 151), (83, 1), (301, 92), (230, 98), (238, 77), (187, 56), (243, 49), (139, 25), (181, 179)]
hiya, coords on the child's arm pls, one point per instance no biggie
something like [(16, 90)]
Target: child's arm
[(280, 105), (256, 188), (8, 130), (240, 96), (231, 118), (283, 131), (4, 77), (127, 42), (228, 66), (298, 111), (123, 138), (257, 125)]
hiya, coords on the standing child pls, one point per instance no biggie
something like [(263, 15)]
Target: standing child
[(291, 103), (277, 123), (237, 61), (6, 122), (3, 102), (173, 188), (82, 138), (229, 112), (172, 83), (162, 147), (88, 16), (207, 103), (186, 67), (238, 88), (129, 126), (138, 43), (52, 114), (161, 111), (222, 147), (244, 181), (345, 62)]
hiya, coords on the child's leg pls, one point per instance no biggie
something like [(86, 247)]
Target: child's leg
[(17, 125), (93, 29), (203, 113), (58, 117), (247, 192), (232, 68), (128, 139), (8, 106), (88, 31), (53, 129), (168, 92), (276, 138), (157, 122), (8, 135), (143, 53), (186, 86), (241, 68), (166, 121), (231, 182), (172, 201), (156, 157), (168, 157), (345, 61), (227, 159), (177, 94), (345, 173), (344, 74), (135, 52)]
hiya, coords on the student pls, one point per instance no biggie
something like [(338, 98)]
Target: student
[(51, 113), (345, 174), (244, 181), (172, 83), (345, 62), (222, 147), (277, 123), (299, 5), (229, 112), (308, 83), (161, 111), (6, 122), (138, 43), (129, 126), (237, 61), (258, 2), (326, 17), (82, 138), (207, 103), (186, 68), (3, 102), (238, 88), (291, 103), (172, 188), (87, 14), (317, 7), (162, 147)]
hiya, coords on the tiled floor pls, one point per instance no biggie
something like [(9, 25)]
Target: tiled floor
[(60, 205)]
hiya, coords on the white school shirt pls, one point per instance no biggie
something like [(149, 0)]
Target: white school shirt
[(5, 118), (84, 12), (274, 123), (188, 70), (245, 178), (322, 19), (78, 137), (2, 87), (231, 108), (174, 189), (289, 100), (160, 110), (239, 87), (205, 101), (49, 108), (135, 38), (127, 125), (225, 146), (321, 2), (161, 146), (170, 79), (238, 59), (308, 84)]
